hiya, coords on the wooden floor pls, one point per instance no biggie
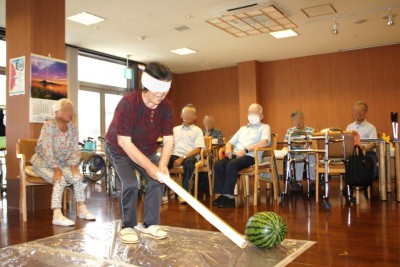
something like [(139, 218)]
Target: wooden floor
[(364, 235)]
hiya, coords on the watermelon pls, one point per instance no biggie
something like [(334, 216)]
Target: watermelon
[(266, 229)]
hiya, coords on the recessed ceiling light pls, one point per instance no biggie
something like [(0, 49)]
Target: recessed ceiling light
[(283, 34), (86, 18), (183, 51)]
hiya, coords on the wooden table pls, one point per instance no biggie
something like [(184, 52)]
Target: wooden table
[(396, 143), (383, 184)]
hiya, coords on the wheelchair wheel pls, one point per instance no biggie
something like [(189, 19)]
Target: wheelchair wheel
[(112, 183), (93, 168)]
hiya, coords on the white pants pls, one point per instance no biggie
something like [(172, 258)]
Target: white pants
[(46, 173)]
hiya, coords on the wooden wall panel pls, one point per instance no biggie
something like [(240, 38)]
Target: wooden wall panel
[(249, 87), (323, 86), (326, 86), (213, 92)]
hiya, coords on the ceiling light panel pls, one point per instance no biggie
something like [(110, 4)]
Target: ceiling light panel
[(283, 34), (86, 18), (183, 51)]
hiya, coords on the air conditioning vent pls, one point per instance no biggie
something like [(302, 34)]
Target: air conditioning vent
[(182, 28)]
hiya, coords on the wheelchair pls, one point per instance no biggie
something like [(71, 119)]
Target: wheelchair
[(92, 164)]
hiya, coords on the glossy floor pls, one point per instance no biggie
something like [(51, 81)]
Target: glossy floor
[(364, 235)]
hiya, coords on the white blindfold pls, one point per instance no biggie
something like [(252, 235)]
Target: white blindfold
[(155, 85)]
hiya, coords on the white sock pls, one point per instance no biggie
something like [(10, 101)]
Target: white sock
[(83, 209), (57, 214)]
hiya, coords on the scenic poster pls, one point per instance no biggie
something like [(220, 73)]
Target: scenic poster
[(48, 84)]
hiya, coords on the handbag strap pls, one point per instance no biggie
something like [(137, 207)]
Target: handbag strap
[(357, 151)]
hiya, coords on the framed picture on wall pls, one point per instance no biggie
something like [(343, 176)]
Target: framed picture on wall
[(48, 84)]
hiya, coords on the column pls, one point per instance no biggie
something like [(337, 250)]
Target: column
[(33, 26)]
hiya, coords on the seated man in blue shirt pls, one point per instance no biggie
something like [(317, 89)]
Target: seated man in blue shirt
[(298, 125), (239, 154)]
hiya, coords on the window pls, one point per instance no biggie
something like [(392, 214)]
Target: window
[(101, 72), (2, 53), (111, 102), (89, 114), (3, 92), (101, 86)]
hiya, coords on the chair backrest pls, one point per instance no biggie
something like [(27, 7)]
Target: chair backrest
[(338, 147), (208, 142), (274, 141), (268, 156), (26, 147)]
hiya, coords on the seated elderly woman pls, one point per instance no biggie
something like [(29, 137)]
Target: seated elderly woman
[(56, 160), (249, 137)]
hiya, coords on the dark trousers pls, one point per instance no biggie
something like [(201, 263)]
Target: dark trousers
[(188, 169), (372, 155), (226, 172), (125, 169)]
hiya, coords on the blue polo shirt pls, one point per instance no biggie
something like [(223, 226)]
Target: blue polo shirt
[(249, 135)]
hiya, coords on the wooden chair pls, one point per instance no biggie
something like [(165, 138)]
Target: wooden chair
[(265, 165), (204, 165), (200, 166), (336, 156), (25, 150)]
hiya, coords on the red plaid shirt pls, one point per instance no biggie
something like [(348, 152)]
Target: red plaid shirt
[(144, 125)]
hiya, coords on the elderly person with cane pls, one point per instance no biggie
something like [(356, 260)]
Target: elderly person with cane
[(56, 160)]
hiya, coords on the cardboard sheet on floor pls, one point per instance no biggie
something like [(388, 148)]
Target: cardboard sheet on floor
[(99, 245)]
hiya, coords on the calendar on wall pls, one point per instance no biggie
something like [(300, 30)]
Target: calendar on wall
[(48, 84), (41, 110)]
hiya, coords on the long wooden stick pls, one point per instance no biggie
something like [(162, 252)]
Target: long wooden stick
[(211, 217)]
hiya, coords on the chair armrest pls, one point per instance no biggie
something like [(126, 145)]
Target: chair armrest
[(21, 161), (269, 149), (204, 155)]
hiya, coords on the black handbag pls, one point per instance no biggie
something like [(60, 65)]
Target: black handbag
[(359, 168)]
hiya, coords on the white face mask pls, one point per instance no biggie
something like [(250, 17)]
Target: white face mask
[(253, 119)]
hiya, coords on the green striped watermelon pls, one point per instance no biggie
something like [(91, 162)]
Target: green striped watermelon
[(266, 229)]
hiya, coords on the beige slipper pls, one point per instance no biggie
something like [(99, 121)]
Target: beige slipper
[(128, 236), (153, 231)]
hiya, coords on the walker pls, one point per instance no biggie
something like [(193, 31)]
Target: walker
[(298, 144), (329, 139)]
